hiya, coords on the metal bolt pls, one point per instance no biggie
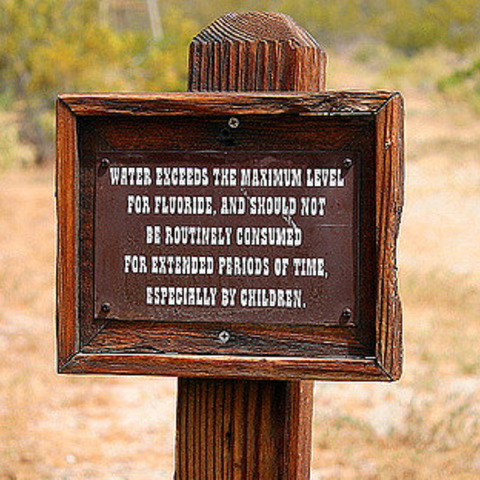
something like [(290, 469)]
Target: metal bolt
[(105, 163), (106, 307), (224, 336), (233, 122), (347, 163), (347, 313)]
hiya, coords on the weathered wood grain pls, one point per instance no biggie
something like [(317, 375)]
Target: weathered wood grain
[(67, 215), (298, 429), (284, 132), (224, 366), (236, 429), (201, 104), (201, 338), (88, 146), (389, 190), (256, 51)]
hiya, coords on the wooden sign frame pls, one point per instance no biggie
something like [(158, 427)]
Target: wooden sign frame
[(338, 121)]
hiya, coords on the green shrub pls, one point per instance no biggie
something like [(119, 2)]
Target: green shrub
[(464, 84), (54, 46)]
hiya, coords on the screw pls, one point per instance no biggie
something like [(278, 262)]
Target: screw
[(347, 163), (233, 122), (224, 336), (106, 307), (347, 313), (105, 163)]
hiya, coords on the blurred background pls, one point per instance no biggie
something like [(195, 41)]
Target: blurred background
[(424, 427)]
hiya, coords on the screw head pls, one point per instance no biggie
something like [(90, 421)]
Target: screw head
[(347, 163), (347, 313), (233, 122), (106, 307), (105, 163), (224, 336)]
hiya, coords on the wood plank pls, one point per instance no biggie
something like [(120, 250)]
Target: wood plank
[(248, 429), (181, 104), (298, 431), (88, 145), (223, 366), (67, 215), (390, 188), (201, 338)]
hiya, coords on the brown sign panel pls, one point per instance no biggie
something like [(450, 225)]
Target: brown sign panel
[(240, 237), (230, 235)]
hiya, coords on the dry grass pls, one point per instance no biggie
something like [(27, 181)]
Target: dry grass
[(54, 427), (423, 427), (12, 151)]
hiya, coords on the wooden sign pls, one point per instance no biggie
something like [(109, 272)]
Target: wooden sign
[(233, 235), (257, 237)]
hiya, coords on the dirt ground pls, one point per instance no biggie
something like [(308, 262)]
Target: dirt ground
[(424, 427)]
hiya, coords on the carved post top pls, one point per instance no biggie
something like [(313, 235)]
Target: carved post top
[(256, 51), (256, 27)]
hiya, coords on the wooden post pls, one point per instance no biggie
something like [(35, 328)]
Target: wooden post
[(229, 429)]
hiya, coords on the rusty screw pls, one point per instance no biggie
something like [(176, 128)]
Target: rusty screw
[(105, 163), (233, 122), (347, 313), (224, 336), (106, 307), (347, 163)]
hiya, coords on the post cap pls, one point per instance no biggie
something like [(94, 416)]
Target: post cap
[(256, 51)]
